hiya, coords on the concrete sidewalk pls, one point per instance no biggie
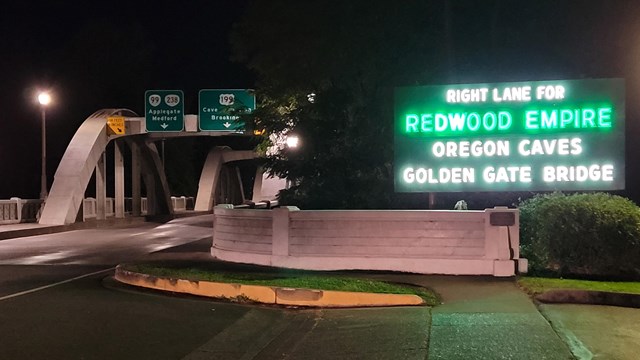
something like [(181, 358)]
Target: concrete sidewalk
[(485, 318), (596, 331), (495, 319), (491, 318), (480, 318)]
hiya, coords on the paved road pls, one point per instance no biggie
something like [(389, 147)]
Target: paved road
[(58, 302), (104, 246)]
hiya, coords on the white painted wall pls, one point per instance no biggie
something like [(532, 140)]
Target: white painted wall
[(430, 242)]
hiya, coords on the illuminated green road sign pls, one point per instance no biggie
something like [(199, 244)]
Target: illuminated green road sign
[(220, 110), (164, 110), (524, 136)]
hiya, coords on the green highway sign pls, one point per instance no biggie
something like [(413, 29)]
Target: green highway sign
[(164, 110), (220, 109), (520, 136)]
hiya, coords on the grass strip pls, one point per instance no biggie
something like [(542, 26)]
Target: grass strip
[(537, 285), (285, 278)]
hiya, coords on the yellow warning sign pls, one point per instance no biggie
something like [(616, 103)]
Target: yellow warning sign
[(116, 125)]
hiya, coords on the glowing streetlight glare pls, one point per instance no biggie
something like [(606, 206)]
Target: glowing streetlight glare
[(44, 98), (292, 141)]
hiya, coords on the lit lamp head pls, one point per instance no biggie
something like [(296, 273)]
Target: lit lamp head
[(293, 141), (44, 98)]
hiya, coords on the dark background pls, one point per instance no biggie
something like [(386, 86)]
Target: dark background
[(102, 54), (95, 55)]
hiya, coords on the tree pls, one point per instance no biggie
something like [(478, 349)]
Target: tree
[(326, 72)]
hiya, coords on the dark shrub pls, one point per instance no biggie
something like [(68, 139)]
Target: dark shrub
[(596, 235)]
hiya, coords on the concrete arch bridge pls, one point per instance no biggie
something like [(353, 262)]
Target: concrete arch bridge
[(220, 181)]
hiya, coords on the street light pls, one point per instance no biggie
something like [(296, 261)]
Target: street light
[(44, 99), (293, 141)]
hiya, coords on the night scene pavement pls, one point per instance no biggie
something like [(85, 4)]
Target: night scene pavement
[(57, 301)]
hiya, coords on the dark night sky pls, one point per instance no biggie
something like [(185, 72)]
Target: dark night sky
[(101, 54)]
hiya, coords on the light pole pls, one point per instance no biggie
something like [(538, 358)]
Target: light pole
[(44, 99), (292, 141)]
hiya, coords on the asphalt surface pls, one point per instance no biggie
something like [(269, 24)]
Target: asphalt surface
[(54, 303), (390, 333), (84, 320), (57, 301)]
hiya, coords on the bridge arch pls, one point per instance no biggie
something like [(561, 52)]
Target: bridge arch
[(79, 161), (86, 154), (210, 177)]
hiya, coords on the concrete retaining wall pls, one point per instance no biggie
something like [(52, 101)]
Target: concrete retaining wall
[(430, 242)]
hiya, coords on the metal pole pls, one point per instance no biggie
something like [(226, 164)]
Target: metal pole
[(163, 154), (43, 177)]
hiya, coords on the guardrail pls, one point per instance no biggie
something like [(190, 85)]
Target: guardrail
[(16, 210)]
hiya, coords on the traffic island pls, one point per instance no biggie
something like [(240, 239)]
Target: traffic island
[(265, 294)]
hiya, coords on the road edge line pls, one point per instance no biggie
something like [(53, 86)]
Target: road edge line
[(26, 292)]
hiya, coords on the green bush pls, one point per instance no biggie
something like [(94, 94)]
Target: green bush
[(594, 235)]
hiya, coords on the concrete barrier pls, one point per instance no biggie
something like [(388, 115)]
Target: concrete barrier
[(89, 208), (430, 242), (179, 203), (10, 211), (16, 210), (30, 209), (109, 210), (144, 206)]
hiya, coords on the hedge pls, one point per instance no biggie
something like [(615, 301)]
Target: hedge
[(584, 235)]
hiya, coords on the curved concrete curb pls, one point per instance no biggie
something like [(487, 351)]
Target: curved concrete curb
[(590, 297), (266, 294)]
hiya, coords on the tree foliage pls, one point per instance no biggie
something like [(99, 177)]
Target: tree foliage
[(350, 55)]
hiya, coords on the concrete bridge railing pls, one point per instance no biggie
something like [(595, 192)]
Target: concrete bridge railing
[(430, 242), (179, 203), (89, 206), (16, 210)]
